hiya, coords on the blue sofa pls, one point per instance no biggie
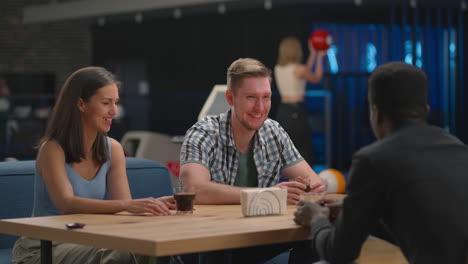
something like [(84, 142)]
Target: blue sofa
[(146, 178)]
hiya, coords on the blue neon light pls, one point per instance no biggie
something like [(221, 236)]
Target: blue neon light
[(332, 61), (371, 54), (409, 53)]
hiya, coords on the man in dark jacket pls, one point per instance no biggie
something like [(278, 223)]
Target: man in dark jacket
[(412, 181)]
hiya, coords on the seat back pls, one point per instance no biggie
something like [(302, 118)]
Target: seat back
[(148, 178), (150, 145), (215, 103)]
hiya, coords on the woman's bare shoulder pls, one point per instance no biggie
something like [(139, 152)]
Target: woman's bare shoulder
[(115, 143), (50, 149)]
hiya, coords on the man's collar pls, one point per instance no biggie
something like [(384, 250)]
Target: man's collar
[(225, 128)]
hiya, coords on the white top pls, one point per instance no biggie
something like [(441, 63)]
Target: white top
[(287, 82)]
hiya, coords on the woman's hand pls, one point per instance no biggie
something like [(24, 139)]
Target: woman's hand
[(148, 205), (169, 201)]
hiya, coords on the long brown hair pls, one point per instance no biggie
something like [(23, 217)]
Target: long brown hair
[(64, 124), (290, 51)]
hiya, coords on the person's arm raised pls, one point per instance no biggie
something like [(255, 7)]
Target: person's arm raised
[(197, 177), (312, 56), (305, 71)]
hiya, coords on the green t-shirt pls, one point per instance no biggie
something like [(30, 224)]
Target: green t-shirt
[(247, 175)]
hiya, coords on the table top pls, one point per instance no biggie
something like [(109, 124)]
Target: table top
[(211, 227)]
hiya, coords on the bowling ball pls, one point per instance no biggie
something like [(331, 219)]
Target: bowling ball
[(334, 180), (320, 40)]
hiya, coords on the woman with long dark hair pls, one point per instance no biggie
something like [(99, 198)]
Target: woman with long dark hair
[(81, 170)]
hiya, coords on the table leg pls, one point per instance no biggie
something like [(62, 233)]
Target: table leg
[(46, 252)]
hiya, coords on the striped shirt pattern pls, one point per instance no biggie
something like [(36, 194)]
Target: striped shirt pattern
[(210, 143)]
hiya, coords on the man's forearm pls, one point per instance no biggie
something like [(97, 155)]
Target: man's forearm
[(216, 193)]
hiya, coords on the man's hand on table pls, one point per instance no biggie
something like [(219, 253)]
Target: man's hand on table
[(334, 204), (316, 185), (301, 185), (309, 212)]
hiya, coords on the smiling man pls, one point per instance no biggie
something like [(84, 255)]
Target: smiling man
[(243, 148)]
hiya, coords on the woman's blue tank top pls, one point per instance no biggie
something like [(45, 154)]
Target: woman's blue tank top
[(94, 189)]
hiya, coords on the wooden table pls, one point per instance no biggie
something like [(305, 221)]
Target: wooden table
[(211, 227)]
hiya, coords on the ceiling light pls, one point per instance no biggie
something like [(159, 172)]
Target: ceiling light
[(138, 18), (267, 4), (101, 21), (222, 8), (177, 13)]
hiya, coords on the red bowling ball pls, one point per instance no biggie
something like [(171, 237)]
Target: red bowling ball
[(320, 40)]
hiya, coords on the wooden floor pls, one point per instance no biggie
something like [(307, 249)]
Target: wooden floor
[(377, 251)]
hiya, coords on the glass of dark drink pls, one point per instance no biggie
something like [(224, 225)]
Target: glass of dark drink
[(184, 202), (184, 199)]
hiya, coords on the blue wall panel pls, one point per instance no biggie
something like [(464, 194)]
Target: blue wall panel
[(428, 38)]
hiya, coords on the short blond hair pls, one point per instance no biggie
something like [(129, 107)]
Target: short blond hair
[(244, 68), (290, 51)]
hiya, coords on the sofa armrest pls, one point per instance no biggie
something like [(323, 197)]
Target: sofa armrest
[(16, 193)]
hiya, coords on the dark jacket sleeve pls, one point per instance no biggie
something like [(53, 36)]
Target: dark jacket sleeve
[(360, 214)]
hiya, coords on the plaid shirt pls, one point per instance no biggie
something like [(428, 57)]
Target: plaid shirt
[(210, 143)]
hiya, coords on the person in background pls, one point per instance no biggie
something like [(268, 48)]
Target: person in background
[(411, 181), (291, 77), (81, 170), (244, 148)]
